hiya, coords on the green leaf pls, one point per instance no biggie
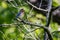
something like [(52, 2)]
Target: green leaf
[(56, 3)]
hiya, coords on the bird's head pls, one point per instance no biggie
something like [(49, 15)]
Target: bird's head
[(22, 10)]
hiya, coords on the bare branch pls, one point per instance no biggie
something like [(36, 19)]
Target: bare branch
[(36, 7), (45, 28)]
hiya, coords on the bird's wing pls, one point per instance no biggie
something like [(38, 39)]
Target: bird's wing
[(18, 15)]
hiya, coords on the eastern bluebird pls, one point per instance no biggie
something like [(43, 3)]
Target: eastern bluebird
[(20, 14)]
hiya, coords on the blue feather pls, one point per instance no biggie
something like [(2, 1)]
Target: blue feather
[(18, 14)]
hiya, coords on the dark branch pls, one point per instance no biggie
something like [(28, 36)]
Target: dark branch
[(37, 7), (28, 23), (45, 28)]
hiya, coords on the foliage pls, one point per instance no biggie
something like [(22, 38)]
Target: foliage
[(19, 32)]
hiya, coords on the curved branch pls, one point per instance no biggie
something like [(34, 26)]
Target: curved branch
[(28, 23), (37, 7), (45, 28)]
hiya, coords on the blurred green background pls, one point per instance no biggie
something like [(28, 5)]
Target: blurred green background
[(8, 12)]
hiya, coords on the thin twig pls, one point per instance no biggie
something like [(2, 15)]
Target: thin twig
[(36, 7), (45, 28)]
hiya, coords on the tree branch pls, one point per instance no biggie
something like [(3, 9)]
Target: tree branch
[(45, 28), (28, 23), (36, 7)]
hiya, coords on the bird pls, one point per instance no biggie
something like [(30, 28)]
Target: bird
[(20, 14)]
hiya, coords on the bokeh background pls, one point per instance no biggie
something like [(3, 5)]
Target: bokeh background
[(8, 11)]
